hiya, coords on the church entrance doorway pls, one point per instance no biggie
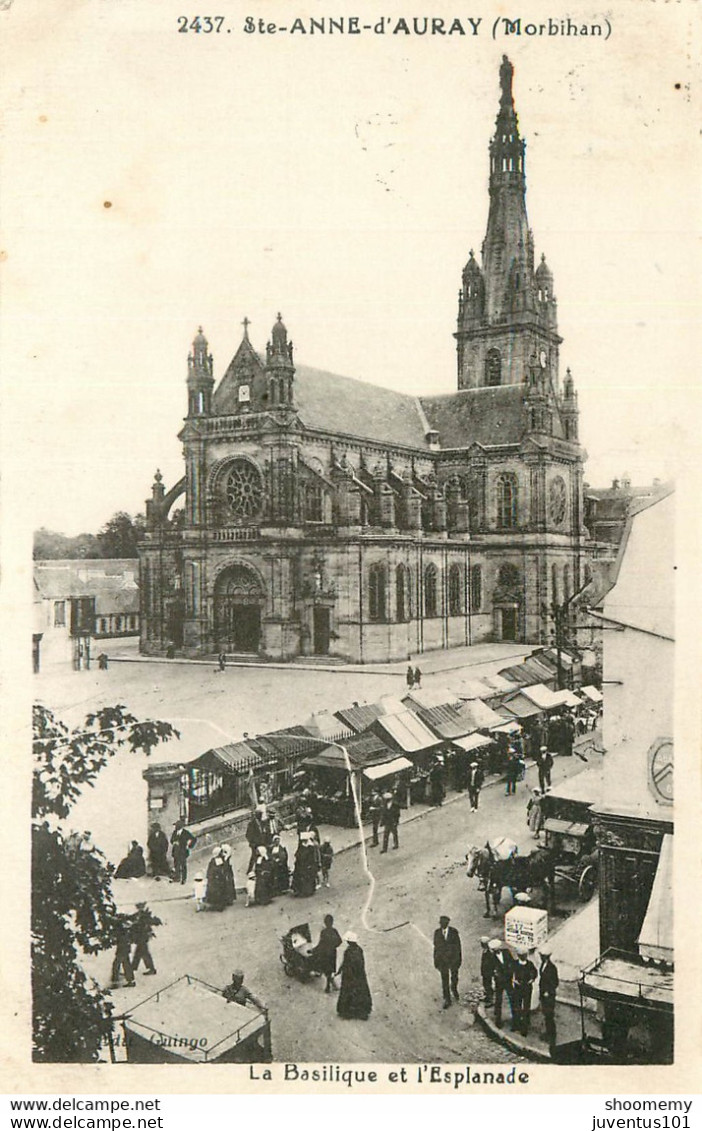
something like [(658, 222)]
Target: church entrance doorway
[(320, 630), (237, 610), (509, 622)]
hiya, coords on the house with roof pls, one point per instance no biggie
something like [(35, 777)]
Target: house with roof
[(80, 603), (324, 515)]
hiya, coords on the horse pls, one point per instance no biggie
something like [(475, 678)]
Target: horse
[(518, 873)]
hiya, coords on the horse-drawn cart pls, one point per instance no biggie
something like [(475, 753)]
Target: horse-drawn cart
[(575, 856), (570, 837)]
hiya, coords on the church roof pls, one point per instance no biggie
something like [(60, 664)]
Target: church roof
[(330, 403), (487, 416)]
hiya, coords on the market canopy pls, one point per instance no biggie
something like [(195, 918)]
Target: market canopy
[(322, 724), (479, 715), (592, 693), (373, 773), (427, 697), (542, 696), (237, 757), (472, 742), (362, 750), (656, 938), (475, 689), (359, 716), (407, 731), (520, 706), (567, 698), (447, 722), (511, 726)]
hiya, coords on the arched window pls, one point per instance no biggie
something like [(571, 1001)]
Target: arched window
[(509, 580), (376, 593), (431, 589), (493, 367), (314, 501), (506, 502), (476, 587), (455, 591), (403, 593), (566, 582)]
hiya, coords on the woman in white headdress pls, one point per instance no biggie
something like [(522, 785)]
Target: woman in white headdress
[(229, 881), (216, 893), (355, 1001)]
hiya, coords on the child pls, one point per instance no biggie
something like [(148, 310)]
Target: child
[(326, 853), (199, 892), (250, 889)]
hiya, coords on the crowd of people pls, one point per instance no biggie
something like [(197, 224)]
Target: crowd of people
[(512, 975)]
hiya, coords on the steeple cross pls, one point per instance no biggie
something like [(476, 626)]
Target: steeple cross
[(246, 323)]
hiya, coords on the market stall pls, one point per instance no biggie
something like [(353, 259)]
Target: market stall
[(407, 735), (336, 771), (189, 1021)]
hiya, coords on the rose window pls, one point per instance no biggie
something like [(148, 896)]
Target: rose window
[(243, 489)]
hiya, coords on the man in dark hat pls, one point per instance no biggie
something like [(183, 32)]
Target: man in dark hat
[(487, 970), (237, 992), (501, 975), (447, 958), (548, 984)]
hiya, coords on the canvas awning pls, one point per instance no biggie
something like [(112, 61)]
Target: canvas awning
[(472, 742), (474, 689), (567, 698), (656, 938), (428, 697), (520, 706), (237, 758), (542, 696), (373, 773), (510, 727), (592, 693), (407, 731)]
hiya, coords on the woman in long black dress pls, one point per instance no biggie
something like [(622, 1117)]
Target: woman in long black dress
[(305, 873), (229, 881), (133, 865), (262, 868), (355, 1001), (325, 952), (280, 867), (216, 892)]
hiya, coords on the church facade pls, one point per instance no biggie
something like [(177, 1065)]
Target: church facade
[(326, 516)]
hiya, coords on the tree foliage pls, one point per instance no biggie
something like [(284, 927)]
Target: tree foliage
[(118, 538), (73, 908), (120, 535)]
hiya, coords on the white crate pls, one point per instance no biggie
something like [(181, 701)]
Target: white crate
[(526, 927)]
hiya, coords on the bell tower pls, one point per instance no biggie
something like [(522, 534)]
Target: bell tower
[(507, 311), (200, 378)]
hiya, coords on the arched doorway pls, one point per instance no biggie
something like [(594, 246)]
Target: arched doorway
[(237, 610)]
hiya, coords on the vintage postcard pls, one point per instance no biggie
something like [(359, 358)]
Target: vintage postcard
[(350, 444)]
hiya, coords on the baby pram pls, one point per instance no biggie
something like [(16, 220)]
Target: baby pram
[(298, 957)]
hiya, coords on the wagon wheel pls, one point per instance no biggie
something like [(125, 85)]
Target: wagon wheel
[(587, 882)]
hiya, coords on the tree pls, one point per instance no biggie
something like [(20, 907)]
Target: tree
[(51, 545), (73, 910), (120, 535)]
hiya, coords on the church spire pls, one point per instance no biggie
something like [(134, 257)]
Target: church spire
[(506, 309), (200, 376), (279, 365)]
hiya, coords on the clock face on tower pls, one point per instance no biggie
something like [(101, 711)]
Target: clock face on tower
[(244, 394), (557, 500)]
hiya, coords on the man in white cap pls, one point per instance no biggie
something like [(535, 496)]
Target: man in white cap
[(548, 984), (475, 784), (524, 974), (390, 819)]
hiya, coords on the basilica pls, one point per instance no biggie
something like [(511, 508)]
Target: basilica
[(322, 515)]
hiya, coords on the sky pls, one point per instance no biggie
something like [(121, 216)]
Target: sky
[(155, 181)]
